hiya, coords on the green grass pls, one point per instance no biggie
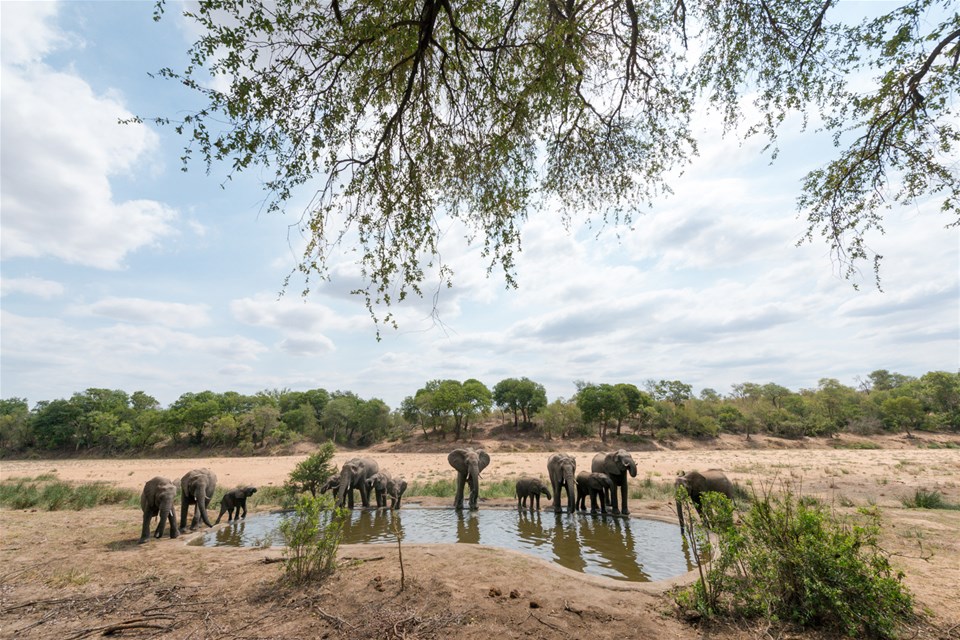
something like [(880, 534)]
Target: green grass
[(647, 489), (855, 445), (448, 489), (923, 499), (47, 493)]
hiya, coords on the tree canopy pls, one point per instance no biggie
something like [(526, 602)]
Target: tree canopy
[(401, 114)]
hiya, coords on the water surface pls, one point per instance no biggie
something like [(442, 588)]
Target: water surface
[(630, 549)]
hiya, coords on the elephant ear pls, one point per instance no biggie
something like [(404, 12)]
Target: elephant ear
[(457, 460), (484, 458)]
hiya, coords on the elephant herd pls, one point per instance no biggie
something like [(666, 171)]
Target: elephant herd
[(605, 483), (196, 488)]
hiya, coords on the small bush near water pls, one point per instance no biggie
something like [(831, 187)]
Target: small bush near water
[(47, 493), (312, 534), (923, 499), (792, 561)]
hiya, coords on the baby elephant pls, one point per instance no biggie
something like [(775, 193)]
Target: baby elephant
[(386, 486), (532, 488), (596, 485), (157, 500), (233, 501)]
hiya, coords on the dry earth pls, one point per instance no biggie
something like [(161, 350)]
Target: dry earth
[(82, 574)]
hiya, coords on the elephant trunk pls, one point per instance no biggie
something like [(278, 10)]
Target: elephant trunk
[(474, 485), (165, 510), (202, 506), (342, 490), (633, 469)]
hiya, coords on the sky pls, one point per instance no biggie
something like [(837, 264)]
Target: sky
[(121, 271)]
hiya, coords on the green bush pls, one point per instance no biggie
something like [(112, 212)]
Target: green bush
[(436, 489), (46, 492), (310, 474), (792, 561), (923, 499), (312, 534)]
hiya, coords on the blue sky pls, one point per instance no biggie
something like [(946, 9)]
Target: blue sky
[(119, 270)]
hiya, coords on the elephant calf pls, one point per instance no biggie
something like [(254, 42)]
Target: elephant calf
[(157, 500), (697, 484), (531, 488), (233, 501), (596, 485), (386, 486)]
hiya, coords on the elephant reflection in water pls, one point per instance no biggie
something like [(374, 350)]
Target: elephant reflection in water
[(231, 535), (468, 527), (530, 528), (566, 544), (612, 540)]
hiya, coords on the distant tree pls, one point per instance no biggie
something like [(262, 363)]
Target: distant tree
[(903, 413), (373, 421), (559, 418), (15, 431), (522, 397), (883, 380), (673, 391), (54, 423), (191, 412), (600, 404), (339, 417), (940, 394)]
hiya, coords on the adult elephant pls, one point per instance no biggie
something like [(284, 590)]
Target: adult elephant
[(697, 484), (561, 467), (354, 475), (616, 464), (196, 488), (597, 486), (157, 500), (468, 463)]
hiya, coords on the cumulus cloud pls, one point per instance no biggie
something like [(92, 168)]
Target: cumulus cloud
[(39, 287), (61, 146), (141, 311)]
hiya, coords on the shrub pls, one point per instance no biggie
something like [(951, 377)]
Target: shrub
[(310, 474), (312, 534), (48, 493), (923, 499), (793, 561)]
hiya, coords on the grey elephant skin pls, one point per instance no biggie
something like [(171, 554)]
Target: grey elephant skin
[(196, 488), (616, 464), (468, 463), (387, 486), (595, 485), (531, 488), (233, 501), (562, 468), (157, 499), (332, 484), (354, 475), (697, 484)]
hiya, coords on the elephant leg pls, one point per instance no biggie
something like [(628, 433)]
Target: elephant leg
[(223, 510), (184, 506), (458, 500), (624, 490), (244, 511), (174, 532), (145, 532), (614, 504), (161, 525), (601, 495)]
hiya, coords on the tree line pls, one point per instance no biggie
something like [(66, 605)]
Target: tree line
[(113, 421)]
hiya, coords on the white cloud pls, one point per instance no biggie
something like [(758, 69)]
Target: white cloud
[(61, 146), (28, 32), (141, 311), (38, 287)]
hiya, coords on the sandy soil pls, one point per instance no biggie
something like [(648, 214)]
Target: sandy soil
[(82, 574)]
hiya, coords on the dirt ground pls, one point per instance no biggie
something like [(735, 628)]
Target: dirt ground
[(82, 574)]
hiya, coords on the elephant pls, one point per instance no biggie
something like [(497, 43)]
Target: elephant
[(697, 484), (532, 488), (616, 464), (196, 487), (595, 485), (354, 475), (332, 484), (233, 501), (561, 468), (157, 500), (468, 463), (386, 486)]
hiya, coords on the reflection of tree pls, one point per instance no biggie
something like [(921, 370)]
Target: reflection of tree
[(611, 538), (566, 546), (468, 527)]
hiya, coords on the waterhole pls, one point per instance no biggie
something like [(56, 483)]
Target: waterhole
[(629, 549)]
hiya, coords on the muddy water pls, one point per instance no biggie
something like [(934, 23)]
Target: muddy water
[(629, 549)]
